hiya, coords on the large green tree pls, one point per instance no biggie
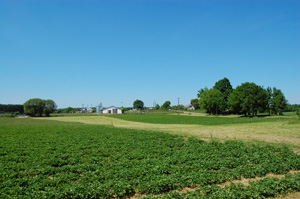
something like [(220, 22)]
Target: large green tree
[(277, 101), (49, 107), (195, 103), (37, 107), (138, 104), (248, 98), (157, 107), (211, 99), (225, 88), (166, 105), (34, 107)]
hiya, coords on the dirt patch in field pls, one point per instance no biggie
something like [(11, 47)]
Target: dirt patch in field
[(290, 196), (244, 181)]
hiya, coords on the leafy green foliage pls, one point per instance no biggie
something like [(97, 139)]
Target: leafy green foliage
[(277, 101), (195, 103), (224, 86), (157, 107), (292, 107), (138, 104), (36, 107), (212, 100), (298, 112), (67, 110), (11, 108), (265, 188), (166, 105), (176, 108), (248, 98), (50, 107), (41, 159)]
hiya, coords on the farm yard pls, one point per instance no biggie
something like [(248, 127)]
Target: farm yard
[(149, 156)]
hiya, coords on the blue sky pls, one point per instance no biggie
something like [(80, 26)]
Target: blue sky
[(114, 52)]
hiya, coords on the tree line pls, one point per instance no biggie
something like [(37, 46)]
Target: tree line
[(139, 105), (11, 108), (247, 98)]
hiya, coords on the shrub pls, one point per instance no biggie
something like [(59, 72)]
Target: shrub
[(298, 112)]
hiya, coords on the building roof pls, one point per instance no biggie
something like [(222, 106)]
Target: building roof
[(189, 105), (111, 107)]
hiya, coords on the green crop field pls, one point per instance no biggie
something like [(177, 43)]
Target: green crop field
[(52, 159)]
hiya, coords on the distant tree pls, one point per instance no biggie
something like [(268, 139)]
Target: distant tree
[(195, 103), (157, 107), (34, 107), (11, 108), (225, 88), (122, 109), (68, 110), (138, 104), (49, 107), (292, 107), (277, 101), (166, 105), (248, 98), (211, 99), (298, 112), (175, 108)]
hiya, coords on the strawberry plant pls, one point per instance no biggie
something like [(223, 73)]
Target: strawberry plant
[(41, 159)]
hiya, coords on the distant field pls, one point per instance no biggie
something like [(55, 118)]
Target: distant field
[(277, 130), (41, 158), (200, 120)]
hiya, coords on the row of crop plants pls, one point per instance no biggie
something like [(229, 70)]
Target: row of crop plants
[(89, 161), (265, 188)]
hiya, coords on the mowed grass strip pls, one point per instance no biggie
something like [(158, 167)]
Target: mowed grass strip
[(48, 159), (280, 130), (199, 120)]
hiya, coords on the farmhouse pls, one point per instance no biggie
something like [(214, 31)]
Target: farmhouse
[(85, 110), (189, 107), (111, 110)]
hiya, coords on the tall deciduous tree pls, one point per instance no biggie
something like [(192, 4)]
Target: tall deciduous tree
[(49, 107), (211, 99), (248, 98), (34, 107), (166, 105), (195, 103), (277, 101), (157, 107), (138, 104), (225, 88)]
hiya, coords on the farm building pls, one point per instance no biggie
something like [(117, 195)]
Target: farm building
[(85, 110), (189, 107), (109, 110)]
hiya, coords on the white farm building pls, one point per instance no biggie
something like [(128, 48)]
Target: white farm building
[(112, 110), (108, 110)]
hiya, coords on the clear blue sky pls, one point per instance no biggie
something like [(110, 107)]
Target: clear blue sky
[(87, 52)]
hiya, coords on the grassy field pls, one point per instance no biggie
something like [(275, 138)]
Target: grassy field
[(110, 157), (277, 130), (200, 120)]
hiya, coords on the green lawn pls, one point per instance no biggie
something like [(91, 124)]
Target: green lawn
[(200, 120)]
